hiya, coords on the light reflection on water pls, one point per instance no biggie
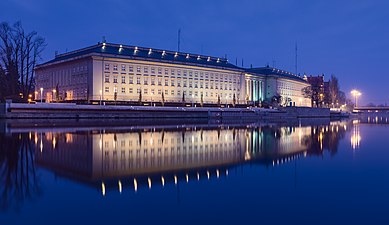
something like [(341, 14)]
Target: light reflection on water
[(132, 158)]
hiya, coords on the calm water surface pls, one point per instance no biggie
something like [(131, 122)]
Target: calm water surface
[(301, 172)]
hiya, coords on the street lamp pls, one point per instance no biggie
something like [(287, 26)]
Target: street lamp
[(41, 94), (101, 96), (54, 91), (356, 94)]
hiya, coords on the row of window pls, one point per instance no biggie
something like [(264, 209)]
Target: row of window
[(160, 71), (172, 92)]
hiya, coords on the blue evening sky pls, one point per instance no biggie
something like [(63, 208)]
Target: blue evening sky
[(347, 38)]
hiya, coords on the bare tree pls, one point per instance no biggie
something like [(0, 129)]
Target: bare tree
[(20, 52)]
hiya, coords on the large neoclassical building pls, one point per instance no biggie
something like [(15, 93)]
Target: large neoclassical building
[(112, 72)]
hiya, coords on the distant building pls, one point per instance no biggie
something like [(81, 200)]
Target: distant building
[(112, 72)]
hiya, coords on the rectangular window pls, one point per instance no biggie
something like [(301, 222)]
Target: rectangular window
[(106, 79), (123, 79), (123, 67), (131, 69), (152, 70), (145, 69), (179, 83), (106, 66), (145, 80), (106, 89), (166, 82), (115, 67), (115, 79), (172, 71), (196, 84), (145, 91), (130, 90), (131, 80), (184, 83), (178, 92), (166, 92), (166, 71), (153, 81), (159, 81), (159, 91), (152, 91), (172, 92), (178, 72), (159, 70), (172, 82), (123, 90), (138, 80), (190, 84), (138, 69)]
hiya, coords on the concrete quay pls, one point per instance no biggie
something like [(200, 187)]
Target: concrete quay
[(73, 111)]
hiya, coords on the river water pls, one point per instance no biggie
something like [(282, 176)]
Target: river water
[(294, 172)]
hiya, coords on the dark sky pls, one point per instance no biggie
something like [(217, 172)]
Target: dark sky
[(347, 38)]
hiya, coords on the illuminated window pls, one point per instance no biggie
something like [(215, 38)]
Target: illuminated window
[(131, 80), (115, 79), (123, 90), (131, 69), (106, 79), (123, 67), (106, 66), (123, 79), (106, 89), (115, 67)]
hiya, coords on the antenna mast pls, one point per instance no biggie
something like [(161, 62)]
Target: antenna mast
[(179, 39), (295, 65)]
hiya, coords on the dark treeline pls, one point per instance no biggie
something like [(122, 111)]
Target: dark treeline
[(19, 53)]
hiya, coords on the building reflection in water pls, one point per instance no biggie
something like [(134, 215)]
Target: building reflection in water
[(130, 159)]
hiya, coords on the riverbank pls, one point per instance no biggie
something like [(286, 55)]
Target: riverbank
[(74, 111)]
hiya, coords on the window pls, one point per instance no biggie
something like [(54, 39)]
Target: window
[(166, 71), (166, 82), (184, 83), (145, 91), (106, 89), (131, 69), (178, 72), (201, 84), (106, 79), (152, 70), (131, 80), (115, 79), (190, 84), (123, 79), (159, 91), (172, 82), (145, 80), (138, 80), (179, 83), (172, 92), (138, 90), (159, 81), (178, 92), (159, 70), (172, 72), (145, 69), (196, 84), (152, 91), (130, 90), (123, 90), (115, 67), (138, 69), (153, 81), (106, 66), (166, 92), (123, 67)]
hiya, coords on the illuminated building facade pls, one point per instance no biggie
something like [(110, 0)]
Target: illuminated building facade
[(112, 72)]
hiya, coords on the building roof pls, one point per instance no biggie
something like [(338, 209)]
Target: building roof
[(274, 71), (150, 54)]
